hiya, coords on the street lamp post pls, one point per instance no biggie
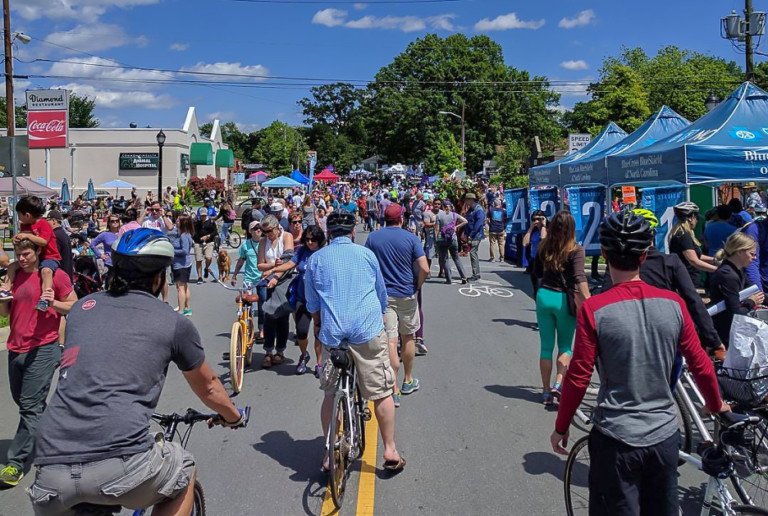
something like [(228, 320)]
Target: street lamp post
[(463, 155), (711, 102), (160, 143)]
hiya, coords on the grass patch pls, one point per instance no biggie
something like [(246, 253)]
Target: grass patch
[(4, 321)]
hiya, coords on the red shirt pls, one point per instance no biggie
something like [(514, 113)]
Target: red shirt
[(32, 328), (42, 229)]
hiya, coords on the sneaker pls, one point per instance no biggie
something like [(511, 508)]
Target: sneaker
[(318, 370), (421, 348), (5, 295), (186, 313), (408, 388), (396, 399), (42, 306), (10, 475), (199, 281), (301, 368)]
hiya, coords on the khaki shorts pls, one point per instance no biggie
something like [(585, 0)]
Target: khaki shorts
[(205, 249), (134, 482), (402, 316), (375, 375)]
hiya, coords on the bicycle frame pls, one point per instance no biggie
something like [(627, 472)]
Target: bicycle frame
[(346, 383)]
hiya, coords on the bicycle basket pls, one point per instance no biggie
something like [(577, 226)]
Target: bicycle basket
[(743, 386)]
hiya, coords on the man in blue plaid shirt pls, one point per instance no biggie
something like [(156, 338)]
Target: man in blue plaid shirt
[(347, 298)]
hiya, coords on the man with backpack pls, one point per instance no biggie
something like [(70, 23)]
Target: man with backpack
[(448, 222), (475, 232)]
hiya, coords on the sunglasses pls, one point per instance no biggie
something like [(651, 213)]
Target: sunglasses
[(295, 222), (257, 228), (154, 209), (111, 221), (310, 240)]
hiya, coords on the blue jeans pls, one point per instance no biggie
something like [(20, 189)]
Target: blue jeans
[(225, 228)]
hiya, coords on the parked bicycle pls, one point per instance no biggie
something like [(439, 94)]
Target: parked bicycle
[(233, 241), (346, 434), (242, 335)]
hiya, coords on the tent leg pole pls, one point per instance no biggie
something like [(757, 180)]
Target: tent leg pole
[(47, 167)]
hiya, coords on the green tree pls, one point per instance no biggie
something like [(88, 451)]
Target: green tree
[(445, 152), (509, 164), (206, 129), (335, 105), (280, 147), (20, 113), (81, 111)]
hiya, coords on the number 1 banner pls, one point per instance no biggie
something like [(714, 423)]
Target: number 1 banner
[(517, 210), (660, 200), (587, 204), (545, 199)]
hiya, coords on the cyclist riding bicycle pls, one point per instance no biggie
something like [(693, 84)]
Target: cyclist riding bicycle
[(93, 444), (634, 443)]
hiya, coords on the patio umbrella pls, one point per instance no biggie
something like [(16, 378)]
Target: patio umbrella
[(65, 191), (254, 179), (91, 193), (116, 184)]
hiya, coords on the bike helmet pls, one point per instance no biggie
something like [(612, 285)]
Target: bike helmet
[(624, 232), (340, 220), (685, 210), (648, 216), (144, 250)]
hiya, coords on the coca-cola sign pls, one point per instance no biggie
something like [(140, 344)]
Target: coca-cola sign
[(47, 129)]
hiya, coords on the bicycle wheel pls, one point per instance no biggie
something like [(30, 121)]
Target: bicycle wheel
[(361, 419), (339, 448), (234, 240), (236, 358), (198, 509), (501, 292), (576, 479), (469, 292), (684, 423), (752, 488)]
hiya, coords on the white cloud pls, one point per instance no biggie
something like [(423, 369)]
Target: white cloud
[(223, 116), (360, 6), (114, 99), (336, 18), (179, 47), (93, 38), (110, 72), (572, 64), (507, 21), (248, 128), (585, 17), (87, 11), (255, 71)]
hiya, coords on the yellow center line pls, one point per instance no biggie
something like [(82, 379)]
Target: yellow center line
[(367, 485)]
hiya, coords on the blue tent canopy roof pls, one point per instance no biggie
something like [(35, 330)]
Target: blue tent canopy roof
[(730, 143), (281, 182), (297, 176), (594, 169), (550, 174)]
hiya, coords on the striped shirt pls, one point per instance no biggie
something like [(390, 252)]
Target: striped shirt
[(343, 282)]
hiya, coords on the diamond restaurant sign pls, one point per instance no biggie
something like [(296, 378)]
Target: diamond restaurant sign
[(47, 118)]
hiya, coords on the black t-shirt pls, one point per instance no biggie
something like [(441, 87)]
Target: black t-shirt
[(111, 377), (681, 242), (64, 244)]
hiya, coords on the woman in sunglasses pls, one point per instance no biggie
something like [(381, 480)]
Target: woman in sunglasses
[(105, 240), (295, 221), (311, 240)]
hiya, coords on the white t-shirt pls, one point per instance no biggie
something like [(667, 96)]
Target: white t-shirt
[(153, 223)]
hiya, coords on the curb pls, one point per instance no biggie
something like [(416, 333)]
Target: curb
[(4, 333)]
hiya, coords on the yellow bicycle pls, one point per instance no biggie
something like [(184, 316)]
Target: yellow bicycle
[(242, 336)]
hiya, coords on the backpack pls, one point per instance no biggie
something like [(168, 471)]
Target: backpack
[(449, 230)]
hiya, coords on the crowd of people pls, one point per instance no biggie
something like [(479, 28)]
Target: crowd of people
[(303, 242)]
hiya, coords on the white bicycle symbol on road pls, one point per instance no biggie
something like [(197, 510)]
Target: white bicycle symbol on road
[(477, 291)]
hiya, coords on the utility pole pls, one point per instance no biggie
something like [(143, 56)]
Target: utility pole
[(7, 39), (749, 53), (463, 154)]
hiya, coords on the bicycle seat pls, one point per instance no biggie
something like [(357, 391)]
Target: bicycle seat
[(340, 358), (247, 298), (732, 419), (89, 509)]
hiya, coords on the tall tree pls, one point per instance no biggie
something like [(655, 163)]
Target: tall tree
[(281, 148), (334, 105), (81, 111), (20, 114)]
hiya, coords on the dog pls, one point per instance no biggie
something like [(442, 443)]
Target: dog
[(224, 264)]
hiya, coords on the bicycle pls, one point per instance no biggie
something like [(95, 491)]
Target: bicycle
[(233, 241), (345, 442), (242, 336), (170, 424), (474, 291)]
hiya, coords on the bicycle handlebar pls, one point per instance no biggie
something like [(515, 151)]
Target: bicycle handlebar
[(192, 416), (223, 285), (744, 294)]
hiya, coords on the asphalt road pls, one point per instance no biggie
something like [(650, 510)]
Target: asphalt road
[(475, 436)]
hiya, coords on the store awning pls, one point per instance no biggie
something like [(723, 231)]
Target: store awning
[(225, 158), (201, 154)]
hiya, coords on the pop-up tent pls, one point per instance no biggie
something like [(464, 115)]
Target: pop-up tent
[(24, 186), (594, 169), (728, 144), (550, 174), (297, 176), (281, 182), (326, 175)]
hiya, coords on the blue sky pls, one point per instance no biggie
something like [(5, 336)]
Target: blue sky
[(319, 40)]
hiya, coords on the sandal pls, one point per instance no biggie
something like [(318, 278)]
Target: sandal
[(395, 466), (556, 391), (278, 359), (547, 398), (267, 362)]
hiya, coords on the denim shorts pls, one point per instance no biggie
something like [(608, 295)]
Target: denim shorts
[(49, 263), (135, 481)]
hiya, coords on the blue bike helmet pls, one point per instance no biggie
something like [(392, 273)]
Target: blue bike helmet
[(144, 250)]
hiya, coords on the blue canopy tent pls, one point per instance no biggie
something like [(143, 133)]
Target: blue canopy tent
[(728, 144), (297, 176), (550, 174), (593, 169), (281, 182)]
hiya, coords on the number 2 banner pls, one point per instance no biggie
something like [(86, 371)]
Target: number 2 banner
[(660, 200), (517, 210), (587, 204), (545, 199)]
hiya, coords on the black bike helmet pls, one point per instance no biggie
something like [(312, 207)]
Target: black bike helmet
[(340, 220), (685, 210), (625, 232), (143, 250)]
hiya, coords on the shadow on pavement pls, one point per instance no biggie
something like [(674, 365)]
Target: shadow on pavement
[(691, 499), (542, 463), (531, 325), (520, 392)]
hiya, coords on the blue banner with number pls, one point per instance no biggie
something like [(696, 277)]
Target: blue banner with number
[(660, 200), (517, 210), (546, 200), (587, 205)]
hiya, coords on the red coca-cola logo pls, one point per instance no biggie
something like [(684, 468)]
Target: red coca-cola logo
[(47, 129)]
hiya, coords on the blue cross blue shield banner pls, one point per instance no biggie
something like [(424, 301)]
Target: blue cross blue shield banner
[(660, 200), (545, 199), (587, 205), (517, 210)]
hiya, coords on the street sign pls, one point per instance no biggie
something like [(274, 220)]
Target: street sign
[(21, 151), (576, 142)]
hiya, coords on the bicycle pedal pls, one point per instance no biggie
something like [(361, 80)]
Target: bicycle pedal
[(366, 414)]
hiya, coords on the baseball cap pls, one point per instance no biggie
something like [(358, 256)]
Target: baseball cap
[(254, 224), (470, 196), (276, 207), (393, 212), (54, 214), (202, 211)]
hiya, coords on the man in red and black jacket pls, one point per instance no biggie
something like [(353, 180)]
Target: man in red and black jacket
[(635, 330)]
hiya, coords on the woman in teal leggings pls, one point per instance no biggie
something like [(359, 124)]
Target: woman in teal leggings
[(559, 266)]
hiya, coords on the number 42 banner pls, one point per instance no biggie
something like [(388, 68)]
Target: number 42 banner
[(517, 210), (587, 204)]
